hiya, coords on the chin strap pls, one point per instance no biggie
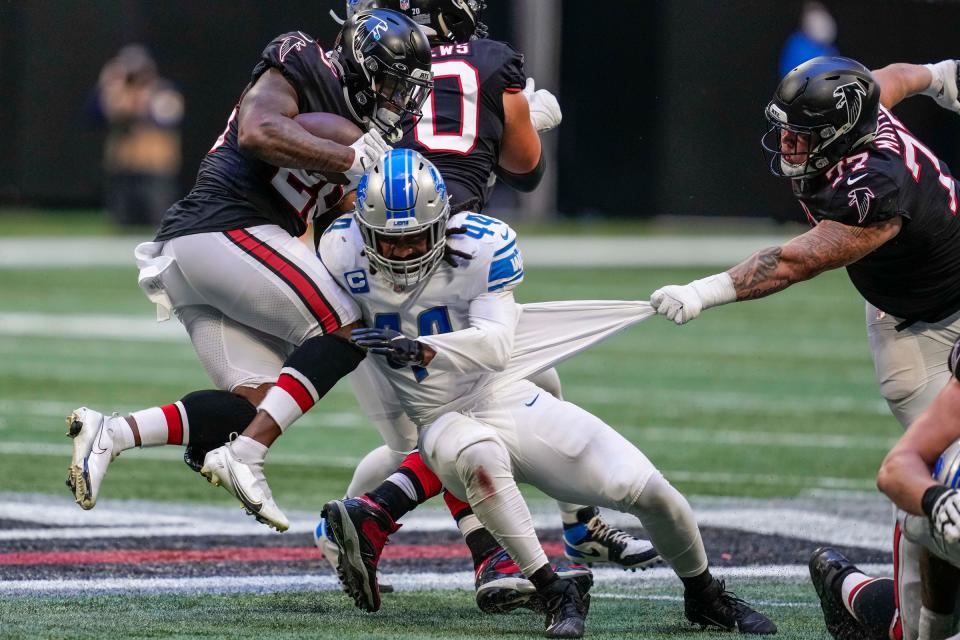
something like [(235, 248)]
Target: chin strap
[(336, 18)]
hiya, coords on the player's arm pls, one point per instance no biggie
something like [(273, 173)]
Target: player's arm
[(901, 80), (827, 246), (266, 129), (905, 473), (521, 161)]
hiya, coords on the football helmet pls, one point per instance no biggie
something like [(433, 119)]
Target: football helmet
[(820, 112), (443, 20), (947, 469), (403, 197), (384, 63)]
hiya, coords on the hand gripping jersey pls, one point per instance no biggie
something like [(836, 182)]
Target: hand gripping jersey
[(462, 122), (442, 304), (235, 190), (916, 275)]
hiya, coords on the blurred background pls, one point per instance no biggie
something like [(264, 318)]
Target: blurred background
[(663, 101)]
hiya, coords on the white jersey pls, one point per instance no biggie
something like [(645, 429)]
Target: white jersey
[(465, 313)]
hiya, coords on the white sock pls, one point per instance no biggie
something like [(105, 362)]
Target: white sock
[(162, 425), (852, 583), (248, 450), (468, 524), (935, 626), (121, 433)]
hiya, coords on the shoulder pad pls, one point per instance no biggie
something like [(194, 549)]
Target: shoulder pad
[(493, 245), (339, 249)]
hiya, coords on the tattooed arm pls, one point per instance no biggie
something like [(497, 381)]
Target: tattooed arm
[(827, 246)]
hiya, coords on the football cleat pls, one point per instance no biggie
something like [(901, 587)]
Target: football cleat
[(828, 568), (246, 483), (717, 608), (359, 528), (332, 554), (596, 541), (93, 451), (566, 609), (501, 587)]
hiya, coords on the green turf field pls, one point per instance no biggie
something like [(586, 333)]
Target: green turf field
[(650, 612), (759, 399)]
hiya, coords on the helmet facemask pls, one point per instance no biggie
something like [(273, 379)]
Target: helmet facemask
[(394, 96), (402, 207)]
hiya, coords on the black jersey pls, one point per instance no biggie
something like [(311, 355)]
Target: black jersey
[(462, 122), (236, 190), (916, 275)]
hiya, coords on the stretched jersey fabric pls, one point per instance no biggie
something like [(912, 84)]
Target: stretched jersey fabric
[(462, 123), (916, 275), (465, 312), (235, 190)]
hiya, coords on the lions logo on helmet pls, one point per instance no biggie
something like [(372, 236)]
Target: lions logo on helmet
[(947, 469), (403, 199)]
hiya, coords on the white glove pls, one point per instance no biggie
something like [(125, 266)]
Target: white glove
[(683, 303), (945, 517), (943, 87), (367, 150), (544, 109)]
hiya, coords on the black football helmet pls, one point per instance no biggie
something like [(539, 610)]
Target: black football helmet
[(384, 63), (820, 113), (443, 20)]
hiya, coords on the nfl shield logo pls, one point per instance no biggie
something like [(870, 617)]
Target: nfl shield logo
[(404, 5)]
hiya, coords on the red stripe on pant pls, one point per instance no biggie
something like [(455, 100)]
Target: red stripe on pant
[(292, 275), (896, 631), (174, 423), (296, 390), (429, 482)]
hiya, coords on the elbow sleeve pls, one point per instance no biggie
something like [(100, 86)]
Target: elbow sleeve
[(523, 181)]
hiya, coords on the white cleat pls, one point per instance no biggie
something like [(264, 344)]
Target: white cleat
[(247, 484), (93, 451)]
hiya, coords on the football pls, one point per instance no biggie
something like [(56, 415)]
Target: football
[(330, 126), (947, 469)]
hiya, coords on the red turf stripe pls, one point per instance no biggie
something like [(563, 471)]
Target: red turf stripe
[(296, 390), (291, 274), (234, 554), (174, 423)]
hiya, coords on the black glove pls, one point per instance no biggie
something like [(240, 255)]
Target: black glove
[(399, 350)]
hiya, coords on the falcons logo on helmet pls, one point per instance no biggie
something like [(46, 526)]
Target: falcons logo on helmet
[(860, 199), (850, 96)]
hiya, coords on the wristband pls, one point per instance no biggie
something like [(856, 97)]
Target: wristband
[(715, 290), (930, 497)]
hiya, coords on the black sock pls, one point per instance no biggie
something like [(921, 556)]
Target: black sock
[(481, 545), (698, 583), (875, 606), (393, 500), (543, 577)]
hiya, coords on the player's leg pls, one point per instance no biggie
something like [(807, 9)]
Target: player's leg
[(572, 455), (266, 279), (236, 358), (475, 465), (586, 537), (910, 361)]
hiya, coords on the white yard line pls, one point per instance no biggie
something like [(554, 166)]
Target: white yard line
[(603, 577)]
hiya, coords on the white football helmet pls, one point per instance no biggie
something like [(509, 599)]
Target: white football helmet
[(403, 196)]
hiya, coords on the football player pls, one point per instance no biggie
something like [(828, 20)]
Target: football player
[(483, 118), (882, 205), (257, 303), (449, 281)]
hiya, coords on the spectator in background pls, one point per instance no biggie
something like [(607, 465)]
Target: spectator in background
[(142, 113), (814, 37)]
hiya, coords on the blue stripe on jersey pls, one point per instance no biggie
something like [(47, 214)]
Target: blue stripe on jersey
[(497, 287), (506, 248), (505, 268)]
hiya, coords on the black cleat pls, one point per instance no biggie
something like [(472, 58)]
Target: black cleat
[(501, 587), (828, 568), (566, 609), (359, 527), (717, 608)]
